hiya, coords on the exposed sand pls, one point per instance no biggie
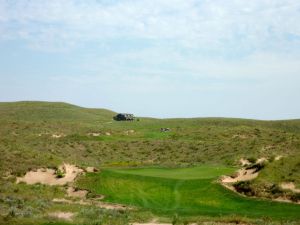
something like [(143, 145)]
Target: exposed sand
[(76, 193), (57, 135), (202, 223), (151, 223), (221, 223), (241, 136), (42, 134), (245, 162), (99, 204), (260, 160), (242, 175), (290, 186), (48, 176), (250, 174), (128, 132), (62, 215), (94, 134), (156, 223), (91, 169)]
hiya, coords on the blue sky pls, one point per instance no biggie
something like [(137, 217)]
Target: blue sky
[(160, 58)]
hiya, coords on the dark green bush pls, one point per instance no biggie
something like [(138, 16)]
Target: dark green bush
[(244, 187)]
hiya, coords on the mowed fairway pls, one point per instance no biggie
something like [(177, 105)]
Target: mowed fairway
[(186, 191), (200, 172)]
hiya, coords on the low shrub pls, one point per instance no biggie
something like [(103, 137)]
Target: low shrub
[(59, 173), (244, 187)]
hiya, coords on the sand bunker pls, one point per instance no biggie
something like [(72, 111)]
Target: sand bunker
[(62, 215), (241, 175), (49, 176), (290, 186)]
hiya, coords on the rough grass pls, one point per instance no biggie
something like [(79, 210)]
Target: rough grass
[(26, 142), (27, 127), (287, 170)]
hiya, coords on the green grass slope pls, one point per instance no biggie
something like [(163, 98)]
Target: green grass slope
[(199, 172), (51, 111), (196, 196)]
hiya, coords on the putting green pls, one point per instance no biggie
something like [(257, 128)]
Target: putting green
[(200, 172), (185, 191)]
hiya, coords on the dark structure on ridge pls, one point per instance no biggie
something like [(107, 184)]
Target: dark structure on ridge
[(124, 117)]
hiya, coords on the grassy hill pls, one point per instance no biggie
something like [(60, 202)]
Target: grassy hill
[(45, 134), (27, 128)]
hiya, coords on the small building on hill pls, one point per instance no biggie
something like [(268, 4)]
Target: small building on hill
[(124, 117)]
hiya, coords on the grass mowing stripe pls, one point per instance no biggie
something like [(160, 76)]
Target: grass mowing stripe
[(199, 172), (184, 197)]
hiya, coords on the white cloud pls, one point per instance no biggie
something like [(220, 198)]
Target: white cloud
[(235, 54), (195, 24)]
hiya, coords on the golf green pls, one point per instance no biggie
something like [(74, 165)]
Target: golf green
[(185, 191)]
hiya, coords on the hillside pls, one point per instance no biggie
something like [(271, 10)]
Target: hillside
[(29, 128), (46, 134)]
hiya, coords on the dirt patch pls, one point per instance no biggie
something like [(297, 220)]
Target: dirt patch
[(245, 162), (99, 204), (62, 215), (278, 157), (128, 132), (91, 169), (223, 223), (268, 147), (261, 160), (156, 223), (290, 186), (94, 134), (151, 223), (241, 136), (62, 200), (58, 135), (49, 176), (72, 192)]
